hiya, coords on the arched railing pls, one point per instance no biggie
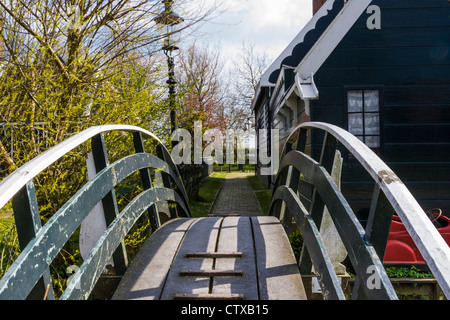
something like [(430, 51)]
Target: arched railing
[(304, 187), (29, 275)]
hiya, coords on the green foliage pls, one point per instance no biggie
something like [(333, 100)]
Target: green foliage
[(191, 175), (296, 241), (57, 79), (262, 192), (56, 82), (9, 244), (60, 271), (137, 236), (206, 195), (407, 272)]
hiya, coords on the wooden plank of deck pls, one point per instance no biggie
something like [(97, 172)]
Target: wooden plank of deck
[(278, 274), (202, 236), (236, 235), (146, 275), (215, 258)]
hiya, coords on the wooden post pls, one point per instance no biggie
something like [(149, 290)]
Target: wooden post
[(330, 236), (166, 180), (146, 179), (28, 223), (317, 204), (377, 230), (109, 202)]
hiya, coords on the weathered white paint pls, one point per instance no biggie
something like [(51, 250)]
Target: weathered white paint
[(17, 180), (430, 243), (330, 236), (163, 206)]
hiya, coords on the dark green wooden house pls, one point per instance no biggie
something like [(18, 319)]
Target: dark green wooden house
[(381, 70)]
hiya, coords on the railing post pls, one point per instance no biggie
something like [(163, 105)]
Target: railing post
[(379, 222), (287, 177), (146, 182), (302, 140), (317, 205), (328, 152), (293, 178), (377, 230), (28, 223), (166, 180), (109, 202)]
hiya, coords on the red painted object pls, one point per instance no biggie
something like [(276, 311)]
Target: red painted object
[(401, 249)]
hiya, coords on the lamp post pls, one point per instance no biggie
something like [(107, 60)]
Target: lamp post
[(169, 20)]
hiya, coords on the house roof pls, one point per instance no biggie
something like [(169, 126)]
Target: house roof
[(324, 31), (301, 44), (307, 37)]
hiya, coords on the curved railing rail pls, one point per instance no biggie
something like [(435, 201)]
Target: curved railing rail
[(29, 275), (303, 182)]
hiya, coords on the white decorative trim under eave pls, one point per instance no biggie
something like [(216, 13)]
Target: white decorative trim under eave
[(304, 86), (311, 24), (321, 50), (291, 103), (331, 37), (257, 95), (283, 113), (306, 89), (282, 103)]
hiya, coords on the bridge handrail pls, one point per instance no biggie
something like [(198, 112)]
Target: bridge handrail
[(19, 178), (40, 244), (430, 243)]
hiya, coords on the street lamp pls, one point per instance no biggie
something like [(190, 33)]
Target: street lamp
[(170, 21)]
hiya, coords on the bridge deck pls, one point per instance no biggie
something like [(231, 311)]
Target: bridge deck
[(215, 258)]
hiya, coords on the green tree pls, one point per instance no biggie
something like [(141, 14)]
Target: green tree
[(71, 64), (66, 65)]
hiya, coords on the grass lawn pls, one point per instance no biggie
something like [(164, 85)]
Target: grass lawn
[(207, 193), (262, 192)]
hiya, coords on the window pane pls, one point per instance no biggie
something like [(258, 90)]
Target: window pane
[(371, 101), (355, 123), (373, 141), (372, 123), (355, 101)]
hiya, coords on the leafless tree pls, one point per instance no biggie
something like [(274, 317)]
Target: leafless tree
[(244, 78), (200, 77)]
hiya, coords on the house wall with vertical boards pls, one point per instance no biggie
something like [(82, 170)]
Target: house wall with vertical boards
[(408, 61)]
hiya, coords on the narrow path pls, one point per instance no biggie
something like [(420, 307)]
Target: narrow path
[(236, 197)]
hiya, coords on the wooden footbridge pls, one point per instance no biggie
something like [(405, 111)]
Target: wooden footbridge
[(229, 257)]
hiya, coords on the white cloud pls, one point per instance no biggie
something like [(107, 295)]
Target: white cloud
[(268, 25), (280, 14)]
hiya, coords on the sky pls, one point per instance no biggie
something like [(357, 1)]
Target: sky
[(268, 25)]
